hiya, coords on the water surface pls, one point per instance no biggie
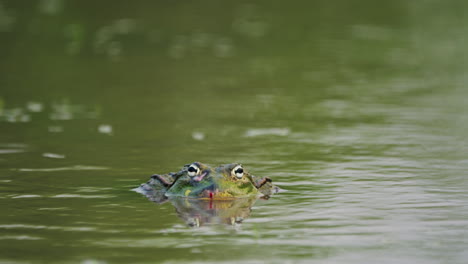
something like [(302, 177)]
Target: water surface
[(358, 109)]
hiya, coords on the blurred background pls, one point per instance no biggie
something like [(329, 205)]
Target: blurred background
[(357, 108)]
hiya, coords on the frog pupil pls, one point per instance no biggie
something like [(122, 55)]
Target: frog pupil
[(240, 170), (192, 169)]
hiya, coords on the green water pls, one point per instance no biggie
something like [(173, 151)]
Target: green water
[(357, 108)]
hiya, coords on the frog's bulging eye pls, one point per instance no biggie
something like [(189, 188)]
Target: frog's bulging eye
[(193, 170), (238, 172)]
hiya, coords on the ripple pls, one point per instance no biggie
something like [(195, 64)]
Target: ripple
[(255, 132), (53, 208), (161, 242), (21, 237), (53, 155), (67, 195), (27, 196), (90, 189), (71, 168), (10, 151), (63, 228)]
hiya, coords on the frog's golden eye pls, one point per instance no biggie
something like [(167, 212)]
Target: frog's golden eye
[(193, 170), (238, 172)]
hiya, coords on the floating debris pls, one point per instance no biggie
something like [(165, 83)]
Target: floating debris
[(34, 107), (255, 132), (53, 155), (198, 136), (108, 38), (15, 115), (64, 110), (105, 129)]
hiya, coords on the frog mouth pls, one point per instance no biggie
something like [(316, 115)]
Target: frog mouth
[(200, 177)]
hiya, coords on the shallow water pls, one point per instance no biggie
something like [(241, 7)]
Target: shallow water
[(357, 109)]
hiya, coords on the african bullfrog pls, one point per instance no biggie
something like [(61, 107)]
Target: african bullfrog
[(202, 195), (199, 181)]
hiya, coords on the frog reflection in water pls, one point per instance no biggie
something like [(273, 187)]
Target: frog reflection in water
[(204, 195)]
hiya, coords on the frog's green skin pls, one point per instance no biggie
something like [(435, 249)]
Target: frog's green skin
[(199, 181)]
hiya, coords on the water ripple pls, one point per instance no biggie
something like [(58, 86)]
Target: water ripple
[(68, 195), (26, 196), (20, 237), (71, 168)]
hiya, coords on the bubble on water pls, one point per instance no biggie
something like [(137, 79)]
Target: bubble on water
[(34, 107), (223, 48), (50, 7), (198, 135), (6, 19), (105, 129)]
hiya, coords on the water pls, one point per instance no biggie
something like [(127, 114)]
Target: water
[(357, 109)]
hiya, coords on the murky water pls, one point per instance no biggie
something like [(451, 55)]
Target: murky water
[(358, 109)]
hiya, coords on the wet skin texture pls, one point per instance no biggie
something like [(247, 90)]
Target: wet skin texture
[(199, 181)]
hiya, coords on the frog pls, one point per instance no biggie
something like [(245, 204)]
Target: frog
[(200, 181)]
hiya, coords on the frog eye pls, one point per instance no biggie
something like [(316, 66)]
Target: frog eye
[(193, 170), (238, 172)]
